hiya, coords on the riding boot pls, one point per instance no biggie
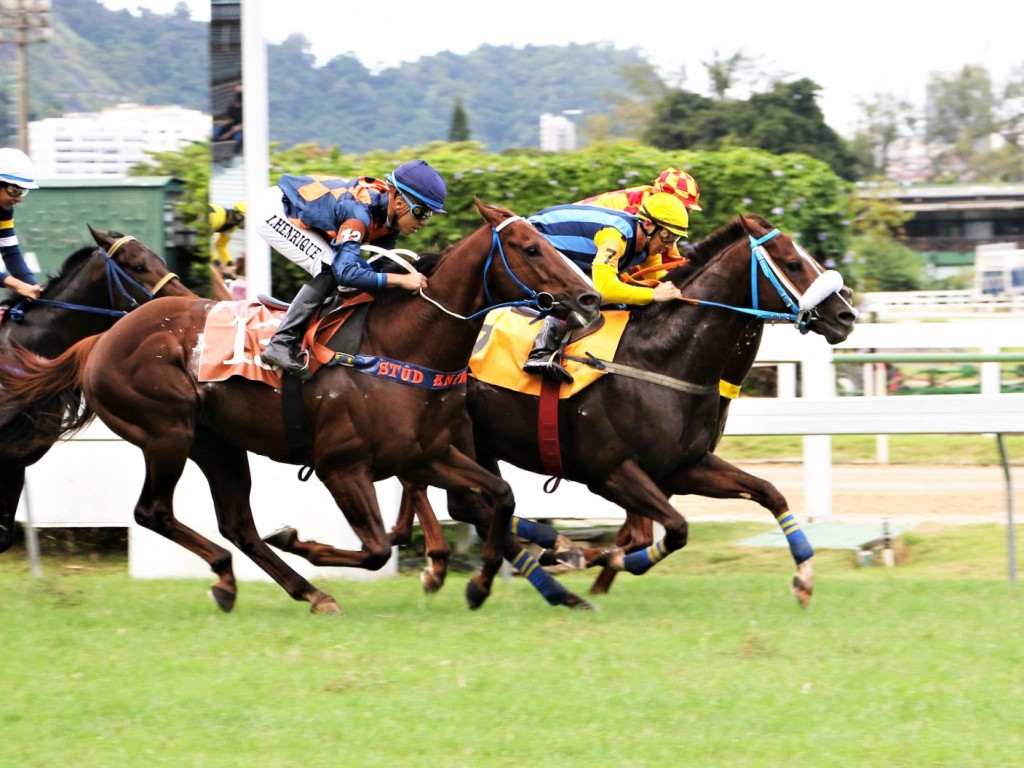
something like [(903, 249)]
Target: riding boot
[(283, 348), (547, 349)]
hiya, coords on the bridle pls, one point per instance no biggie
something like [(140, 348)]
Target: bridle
[(802, 305), (542, 301), (116, 277)]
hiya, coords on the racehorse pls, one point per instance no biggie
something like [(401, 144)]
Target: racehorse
[(142, 381), (92, 289), (647, 430)]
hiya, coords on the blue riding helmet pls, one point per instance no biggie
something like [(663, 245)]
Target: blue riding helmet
[(417, 179)]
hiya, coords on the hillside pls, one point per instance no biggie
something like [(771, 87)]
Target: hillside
[(98, 58)]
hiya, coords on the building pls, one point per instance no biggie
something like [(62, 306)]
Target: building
[(557, 133), (950, 222), (107, 143)]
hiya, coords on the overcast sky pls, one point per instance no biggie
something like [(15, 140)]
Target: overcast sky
[(852, 50)]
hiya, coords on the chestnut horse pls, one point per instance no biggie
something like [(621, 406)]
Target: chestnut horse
[(141, 379), (92, 289), (647, 430)]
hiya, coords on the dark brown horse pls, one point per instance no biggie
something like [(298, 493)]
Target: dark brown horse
[(647, 430), (92, 289), (141, 379)]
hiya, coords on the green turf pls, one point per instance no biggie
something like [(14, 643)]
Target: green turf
[(706, 661)]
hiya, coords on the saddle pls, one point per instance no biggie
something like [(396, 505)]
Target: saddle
[(236, 331)]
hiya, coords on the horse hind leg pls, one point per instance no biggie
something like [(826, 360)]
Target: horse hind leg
[(636, 533), (226, 468), (165, 462)]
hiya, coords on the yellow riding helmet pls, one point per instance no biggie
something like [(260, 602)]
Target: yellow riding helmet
[(666, 211), (240, 207), (681, 184)]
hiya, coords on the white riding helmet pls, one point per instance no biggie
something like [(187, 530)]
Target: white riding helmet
[(17, 168)]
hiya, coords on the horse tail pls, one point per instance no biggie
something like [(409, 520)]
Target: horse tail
[(48, 391)]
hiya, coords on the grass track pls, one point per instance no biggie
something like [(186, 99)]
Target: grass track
[(706, 661)]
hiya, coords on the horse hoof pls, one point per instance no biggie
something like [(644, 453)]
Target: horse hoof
[(282, 538), (431, 582), (223, 597), (324, 603), (578, 603), (613, 557), (475, 595), (801, 592)]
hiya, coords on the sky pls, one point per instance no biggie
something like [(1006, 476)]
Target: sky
[(853, 50)]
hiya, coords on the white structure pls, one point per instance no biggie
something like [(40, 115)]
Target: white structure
[(109, 142), (557, 133), (999, 270)]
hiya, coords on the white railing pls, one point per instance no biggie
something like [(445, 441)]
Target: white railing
[(963, 304)]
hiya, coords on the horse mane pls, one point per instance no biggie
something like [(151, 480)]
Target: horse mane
[(426, 264)]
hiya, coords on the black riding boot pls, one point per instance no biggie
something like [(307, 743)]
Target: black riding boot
[(283, 349), (547, 349)]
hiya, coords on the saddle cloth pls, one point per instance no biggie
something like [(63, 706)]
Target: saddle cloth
[(507, 337), (236, 331)]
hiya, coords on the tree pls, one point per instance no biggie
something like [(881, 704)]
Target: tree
[(960, 117), (459, 128), (723, 73), (885, 121)]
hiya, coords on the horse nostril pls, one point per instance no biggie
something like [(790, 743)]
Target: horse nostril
[(590, 299)]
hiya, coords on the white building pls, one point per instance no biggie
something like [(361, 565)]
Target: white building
[(557, 133), (109, 142)]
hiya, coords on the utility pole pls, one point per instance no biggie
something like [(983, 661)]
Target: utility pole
[(23, 22)]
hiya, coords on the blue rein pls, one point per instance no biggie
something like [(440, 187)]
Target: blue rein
[(116, 279), (759, 259), (542, 302)]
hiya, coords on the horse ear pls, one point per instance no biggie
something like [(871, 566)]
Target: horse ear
[(101, 239)]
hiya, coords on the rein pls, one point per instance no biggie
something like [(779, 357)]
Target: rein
[(116, 279), (542, 302), (801, 311), (649, 376)]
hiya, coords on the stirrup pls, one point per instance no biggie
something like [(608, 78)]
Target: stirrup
[(549, 369)]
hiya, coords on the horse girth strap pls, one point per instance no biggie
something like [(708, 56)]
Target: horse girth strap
[(548, 442), (649, 376)]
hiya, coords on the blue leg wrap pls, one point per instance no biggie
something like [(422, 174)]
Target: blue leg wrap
[(642, 561), (798, 543), (538, 533), (541, 580)]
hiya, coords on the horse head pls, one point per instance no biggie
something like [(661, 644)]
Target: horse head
[(534, 269), (132, 272), (791, 281)]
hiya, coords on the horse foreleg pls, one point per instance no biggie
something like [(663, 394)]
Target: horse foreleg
[(416, 504), (716, 478), (12, 480), (226, 468), (635, 534), (454, 471), (631, 488)]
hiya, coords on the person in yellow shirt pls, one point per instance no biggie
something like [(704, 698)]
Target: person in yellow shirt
[(671, 181), (223, 222), (604, 243)]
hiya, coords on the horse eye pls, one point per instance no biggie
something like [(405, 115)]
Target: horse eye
[(795, 267), (532, 250), (139, 269)]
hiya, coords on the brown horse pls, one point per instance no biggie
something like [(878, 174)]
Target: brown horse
[(647, 430), (92, 289), (141, 380)]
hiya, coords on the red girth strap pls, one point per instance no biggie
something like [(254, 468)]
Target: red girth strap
[(547, 434)]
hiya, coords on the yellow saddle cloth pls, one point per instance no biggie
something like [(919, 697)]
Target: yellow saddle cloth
[(507, 337)]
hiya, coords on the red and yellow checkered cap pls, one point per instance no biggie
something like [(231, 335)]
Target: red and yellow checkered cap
[(682, 185)]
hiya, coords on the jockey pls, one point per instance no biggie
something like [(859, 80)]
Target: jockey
[(671, 181), (321, 223), (603, 243), (17, 177), (223, 222)]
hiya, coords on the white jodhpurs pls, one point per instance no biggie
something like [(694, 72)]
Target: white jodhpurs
[(305, 247)]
